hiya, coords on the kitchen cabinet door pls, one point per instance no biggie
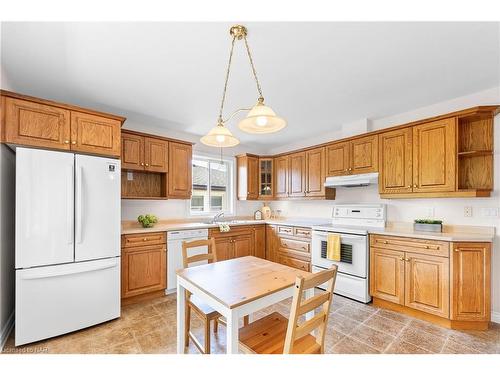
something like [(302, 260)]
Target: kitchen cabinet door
[(427, 284), (338, 159), (180, 180), (144, 270), (247, 177), (132, 155), (395, 161), (281, 177), (224, 248), (95, 134), (387, 280), (364, 155), (434, 156), (271, 242), (33, 124), (155, 155), (297, 177), (242, 245), (315, 172), (471, 268), (260, 241), (253, 178)]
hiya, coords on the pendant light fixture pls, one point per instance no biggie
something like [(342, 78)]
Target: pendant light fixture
[(260, 119)]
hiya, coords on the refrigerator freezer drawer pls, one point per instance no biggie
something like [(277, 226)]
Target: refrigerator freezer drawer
[(54, 300)]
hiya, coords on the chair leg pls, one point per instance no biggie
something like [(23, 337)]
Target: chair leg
[(207, 336), (187, 325), (246, 320), (216, 325)]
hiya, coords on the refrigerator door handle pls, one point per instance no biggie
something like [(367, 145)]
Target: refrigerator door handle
[(56, 272), (79, 204), (69, 203)]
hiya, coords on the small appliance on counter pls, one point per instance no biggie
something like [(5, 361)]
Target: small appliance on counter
[(351, 223)]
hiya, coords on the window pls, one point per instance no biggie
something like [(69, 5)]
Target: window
[(212, 185)]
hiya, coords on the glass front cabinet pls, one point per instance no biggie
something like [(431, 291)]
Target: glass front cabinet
[(265, 178)]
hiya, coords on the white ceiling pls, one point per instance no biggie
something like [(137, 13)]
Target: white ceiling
[(316, 75)]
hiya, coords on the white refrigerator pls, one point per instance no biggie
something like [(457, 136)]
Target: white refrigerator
[(67, 242)]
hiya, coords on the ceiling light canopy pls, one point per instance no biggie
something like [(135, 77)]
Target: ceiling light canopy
[(260, 119)]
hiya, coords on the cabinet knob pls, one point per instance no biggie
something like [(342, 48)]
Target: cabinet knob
[(426, 246), (386, 242), (414, 185), (73, 142), (147, 165), (407, 259), (66, 142), (457, 250), (350, 169), (402, 258), (409, 186), (142, 164), (165, 250), (144, 239)]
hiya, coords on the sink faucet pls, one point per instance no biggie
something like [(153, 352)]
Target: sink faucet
[(217, 216)]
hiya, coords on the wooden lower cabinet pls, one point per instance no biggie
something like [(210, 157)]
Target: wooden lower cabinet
[(271, 242), (427, 284), (470, 289), (429, 280), (290, 246), (144, 264), (387, 275), (240, 241)]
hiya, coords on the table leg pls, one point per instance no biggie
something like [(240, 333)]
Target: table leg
[(181, 309), (232, 340)]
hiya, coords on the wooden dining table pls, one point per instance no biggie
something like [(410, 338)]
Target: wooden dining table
[(235, 288)]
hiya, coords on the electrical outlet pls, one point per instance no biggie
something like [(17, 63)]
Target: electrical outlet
[(130, 176), (467, 211), (489, 212)]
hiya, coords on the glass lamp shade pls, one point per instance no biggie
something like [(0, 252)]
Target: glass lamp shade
[(220, 136), (261, 119)]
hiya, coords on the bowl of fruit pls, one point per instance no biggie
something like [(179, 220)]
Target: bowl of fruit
[(148, 220)]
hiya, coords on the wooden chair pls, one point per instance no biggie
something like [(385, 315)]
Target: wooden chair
[(205, 312), (274, 334)]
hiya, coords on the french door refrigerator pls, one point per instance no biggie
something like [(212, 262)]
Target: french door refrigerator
[(67, 242)]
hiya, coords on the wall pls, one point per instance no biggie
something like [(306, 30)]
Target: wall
[(451, 210)]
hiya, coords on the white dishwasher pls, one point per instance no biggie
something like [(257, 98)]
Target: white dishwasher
[(174, 252)]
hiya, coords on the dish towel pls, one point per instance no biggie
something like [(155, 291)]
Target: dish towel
[(224, 227), (333, 247)]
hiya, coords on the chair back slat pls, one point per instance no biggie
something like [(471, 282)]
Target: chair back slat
[(300, 307), (313, 302)]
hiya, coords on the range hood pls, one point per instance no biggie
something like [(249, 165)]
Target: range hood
[(353, 180)]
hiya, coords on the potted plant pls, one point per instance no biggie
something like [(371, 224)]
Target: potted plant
[(147, 221), (427, 225)]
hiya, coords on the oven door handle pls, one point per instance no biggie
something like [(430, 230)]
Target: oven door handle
[(324, 235)]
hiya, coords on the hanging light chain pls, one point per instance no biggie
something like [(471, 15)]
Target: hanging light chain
[(227, 79), (261, 98)]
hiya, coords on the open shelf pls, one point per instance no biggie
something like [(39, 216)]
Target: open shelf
[(144, 185)]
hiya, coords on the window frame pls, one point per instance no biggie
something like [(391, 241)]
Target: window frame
[(230, 191)]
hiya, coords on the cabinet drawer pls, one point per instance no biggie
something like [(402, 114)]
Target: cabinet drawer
[(302, 232), (295, 245), (415, 245), (292, 262), (285, 230), (146, 239)]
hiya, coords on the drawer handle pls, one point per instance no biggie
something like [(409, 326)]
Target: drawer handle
[(144, 239), (427, 246), (386, 242)]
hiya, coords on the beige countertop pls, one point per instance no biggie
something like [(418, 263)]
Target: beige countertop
[(457, 233)]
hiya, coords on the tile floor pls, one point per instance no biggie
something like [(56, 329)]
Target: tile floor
[(353, 328)]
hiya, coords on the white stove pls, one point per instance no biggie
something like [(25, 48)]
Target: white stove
[(352, 223)]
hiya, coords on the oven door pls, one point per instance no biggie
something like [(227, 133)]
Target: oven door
[(353, 250)]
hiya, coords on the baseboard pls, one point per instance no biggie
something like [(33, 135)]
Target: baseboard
[(5, 330), (495, 316)]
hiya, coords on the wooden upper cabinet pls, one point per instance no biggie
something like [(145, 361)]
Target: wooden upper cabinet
[(248, 177), (132, 155), (297, 175), (471, 294), (180, 180), (427, 284), (395, 161), (387, 275), (281, 177), (338, 159), (315, 172), (155, 155), (95, 134), (33, 124), (364, 155), (434, 156)]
